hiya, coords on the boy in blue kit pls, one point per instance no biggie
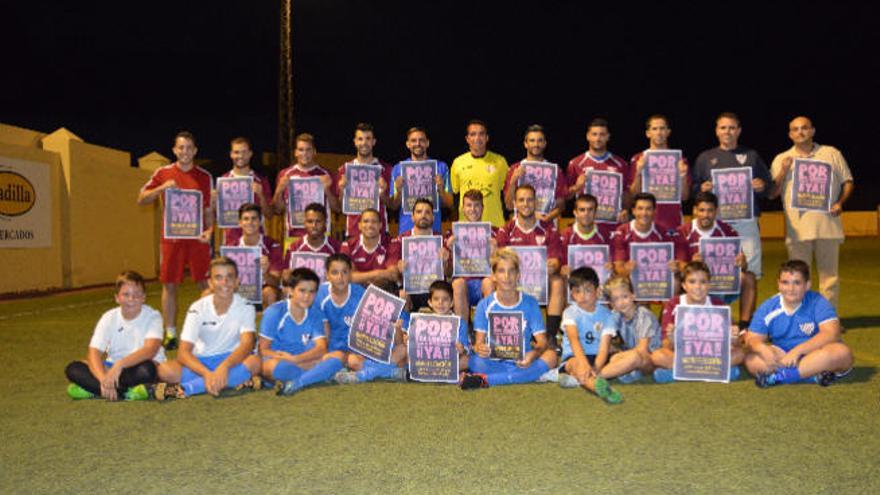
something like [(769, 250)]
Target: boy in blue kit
[(216, 342), (363, 369), (293, 337), (486, 372), (636, 332), (440, 303), (586, 340), (803, 333), (339, 299), (125, 353)]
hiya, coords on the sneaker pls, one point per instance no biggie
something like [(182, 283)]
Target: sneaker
[(77, 393), (764, 380), (288, 389), (168, 391), (631, 377), (734, 373), (568, 381), (606, 393), (138, 392), (826, 378), (473, 381), (551, 376), (663, 375), (345, 377), (169, 342)]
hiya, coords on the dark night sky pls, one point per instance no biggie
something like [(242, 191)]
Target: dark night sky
[(130, 78)]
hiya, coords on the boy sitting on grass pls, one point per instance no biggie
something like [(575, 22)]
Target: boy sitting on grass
[(217, 341), (803, 331), (440, 297), (125, 353), (695, 283), (586, 339), (635, 328), (293, 337)]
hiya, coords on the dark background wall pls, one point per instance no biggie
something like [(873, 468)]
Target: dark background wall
[(130, 75)]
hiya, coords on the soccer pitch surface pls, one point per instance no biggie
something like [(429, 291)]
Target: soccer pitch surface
[(419, 438)]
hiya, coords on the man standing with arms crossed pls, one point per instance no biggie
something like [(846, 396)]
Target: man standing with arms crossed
[(808, 232), (177, 253)]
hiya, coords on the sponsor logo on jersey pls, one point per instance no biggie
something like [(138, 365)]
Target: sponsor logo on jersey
[(17, 194), (808, 328), (741, 158), (305, 338), (347, 320)]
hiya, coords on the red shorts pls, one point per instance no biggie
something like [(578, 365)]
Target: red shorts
[(175, 255)]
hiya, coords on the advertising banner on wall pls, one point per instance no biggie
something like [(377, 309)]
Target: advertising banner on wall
[(25, 204)]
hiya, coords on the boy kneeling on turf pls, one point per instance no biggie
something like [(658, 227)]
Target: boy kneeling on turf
[(695, 280), (586, 339), (217, 341), (125, 353), (803, 331), (293, 336), (637, 330)]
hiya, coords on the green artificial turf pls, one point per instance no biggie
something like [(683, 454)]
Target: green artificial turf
[(419, 438)]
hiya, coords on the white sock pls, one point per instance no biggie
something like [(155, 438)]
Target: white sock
[(171, 332)]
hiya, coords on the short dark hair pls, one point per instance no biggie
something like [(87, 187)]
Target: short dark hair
[(241, 140), (474, 195), (795, 266), (294, 277), (535, 128), (185, 135), (706, 197), (583, 276), (317, 208), (439, 285), (728, 115), (130, 276), (416, 129), (525, 186), (589, 198), (363, 127), (644, 196), (656, 116), (597, 122), (304, 137), (693, 267), (476, 122), (338, 257), (246, 207), (423, 201), (373, 211)]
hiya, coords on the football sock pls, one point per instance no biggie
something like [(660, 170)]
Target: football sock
[(787, 375), (322, 371), (519, 375), (374, 370), (286, 371)]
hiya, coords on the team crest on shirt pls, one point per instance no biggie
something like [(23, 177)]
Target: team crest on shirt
[(540, 239), (347, 320), (741, 158), (305, 338), (597, 327), (713, 162), (808, 328), (381, 258)]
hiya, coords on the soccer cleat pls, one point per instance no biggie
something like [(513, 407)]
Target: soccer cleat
[(663, 375), (568, 381), (289, 388), (138, 392), (345, 377), (631, 377), (472, 381), (826, 378), (764, 380), (168, 391), (76, 392), (734, 373), (551, 376), (169, 342), (606, 393)]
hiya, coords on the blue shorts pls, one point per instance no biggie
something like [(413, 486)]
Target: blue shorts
[(728, 299), (210, 362), (475, 290)]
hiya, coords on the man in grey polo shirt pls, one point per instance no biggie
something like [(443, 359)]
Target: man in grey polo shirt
[(808, 232)]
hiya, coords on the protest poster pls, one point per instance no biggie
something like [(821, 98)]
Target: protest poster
[(372, 327), (315, 262), (594, 256), (702, 343), (232, 192), (183, 213), (507, 335), (542, 176), (651, 278), (607, 187), (733, 187), (422, 262), (533, 271), (720, 253), (660, 175), (432, 355), (471, 249), (250, 274), (419, 182), (361, 188), (301, 192), (811, 185)]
